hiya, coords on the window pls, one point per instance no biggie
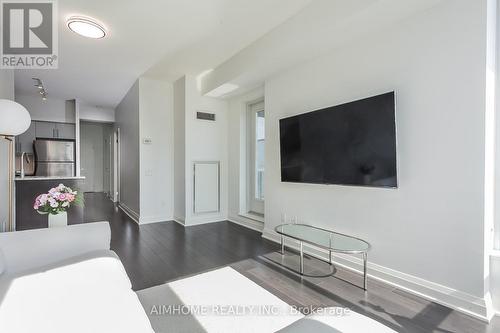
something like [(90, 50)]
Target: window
[(256, 157), (260, 140)]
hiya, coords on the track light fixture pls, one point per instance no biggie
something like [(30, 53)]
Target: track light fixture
[(39, 85)]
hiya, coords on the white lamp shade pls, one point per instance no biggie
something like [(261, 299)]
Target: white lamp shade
[(14, 118)]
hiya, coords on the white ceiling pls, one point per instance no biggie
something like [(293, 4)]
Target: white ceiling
[(325, 25), (162, 38)]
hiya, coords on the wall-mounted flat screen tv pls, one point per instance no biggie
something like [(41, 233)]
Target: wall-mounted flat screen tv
[(348, 144)]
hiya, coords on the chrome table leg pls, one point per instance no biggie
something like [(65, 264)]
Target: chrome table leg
[(282, 245), (301, 259), (365, 277), (330, 251)]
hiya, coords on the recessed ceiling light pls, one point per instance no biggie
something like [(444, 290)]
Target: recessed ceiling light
[(86, 27)]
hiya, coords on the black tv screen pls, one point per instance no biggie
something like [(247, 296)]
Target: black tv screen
[(348, 144)]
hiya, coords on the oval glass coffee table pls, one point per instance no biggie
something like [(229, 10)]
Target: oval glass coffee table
[(324, 239)]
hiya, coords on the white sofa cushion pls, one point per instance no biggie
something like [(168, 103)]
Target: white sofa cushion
[(33, 248), (88, 293)]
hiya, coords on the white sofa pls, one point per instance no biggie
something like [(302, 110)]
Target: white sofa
[(66, 280)]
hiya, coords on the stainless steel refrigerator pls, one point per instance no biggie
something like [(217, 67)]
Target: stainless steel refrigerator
[(55, 157)]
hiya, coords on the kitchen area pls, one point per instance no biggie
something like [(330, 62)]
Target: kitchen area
[(49, 154)]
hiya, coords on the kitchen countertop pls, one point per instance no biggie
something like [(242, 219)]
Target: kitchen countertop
[(26, 178), (30, 187)]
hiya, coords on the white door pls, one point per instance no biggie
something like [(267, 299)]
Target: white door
[(87, 163), (116, 165), (92, 156), (106, 160), (110, 167)]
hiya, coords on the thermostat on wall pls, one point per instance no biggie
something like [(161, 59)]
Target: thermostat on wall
[(147, 141)]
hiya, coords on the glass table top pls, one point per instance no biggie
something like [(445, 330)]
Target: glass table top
[(323, 238)]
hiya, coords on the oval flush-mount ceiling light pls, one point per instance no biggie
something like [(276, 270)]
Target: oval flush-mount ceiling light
[(86, 27)]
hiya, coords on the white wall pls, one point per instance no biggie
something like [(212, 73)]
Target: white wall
[(147, 112), (52, 109), (7, 84), (430, 230), (497, 143), (495, 280), (96, 113), (205, 141), (6, 92), (156, 166), (237, 157), (180, 150), (127, 120), (147, 170)]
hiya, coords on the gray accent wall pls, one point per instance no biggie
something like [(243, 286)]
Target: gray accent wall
[(127, 120)]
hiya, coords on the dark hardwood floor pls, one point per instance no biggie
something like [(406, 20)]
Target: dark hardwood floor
[(156, 253)]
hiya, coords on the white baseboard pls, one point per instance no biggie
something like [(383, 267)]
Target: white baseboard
[(154, 219), (469, 304), (140, 219), (495, 280), (130, 212), (247, 223), (197, 220), (179, 220), (254, 226), (251, 216)]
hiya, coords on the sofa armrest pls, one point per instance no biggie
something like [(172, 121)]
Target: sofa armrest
[(33, 248)]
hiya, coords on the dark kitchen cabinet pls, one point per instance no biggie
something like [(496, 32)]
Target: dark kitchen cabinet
[(49, 130), (66, 131), (24, 142)]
